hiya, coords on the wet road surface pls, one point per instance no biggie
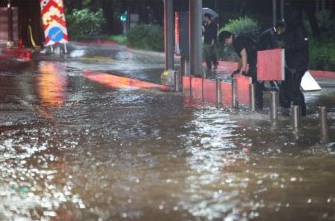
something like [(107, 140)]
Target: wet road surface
[(72, 149)]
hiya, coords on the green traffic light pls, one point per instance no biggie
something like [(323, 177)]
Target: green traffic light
[(123, 17)]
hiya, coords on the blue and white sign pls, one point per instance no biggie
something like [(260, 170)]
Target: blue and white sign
[(56, 34)]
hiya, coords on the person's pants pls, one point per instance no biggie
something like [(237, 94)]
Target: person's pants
[(210, 56), (214, 58), (290, 92)]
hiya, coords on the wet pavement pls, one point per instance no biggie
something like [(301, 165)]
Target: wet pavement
[(72, 149)]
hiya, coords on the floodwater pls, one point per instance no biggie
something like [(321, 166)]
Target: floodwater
[(72, 149)]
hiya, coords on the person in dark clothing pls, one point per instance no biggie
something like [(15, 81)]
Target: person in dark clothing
[(296, 56), (269, 40), (210, 38), (246, 49)]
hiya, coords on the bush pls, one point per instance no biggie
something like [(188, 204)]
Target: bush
[(243, 25), (120, 39), (84, 24), (322, 55), (326, 24), (322, 51), (147, 37)]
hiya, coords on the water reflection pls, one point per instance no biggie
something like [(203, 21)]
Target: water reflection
[(212, 193), (32, 184), (141, 155), (52, 84)]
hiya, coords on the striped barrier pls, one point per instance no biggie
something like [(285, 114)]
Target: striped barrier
[(54, 23)]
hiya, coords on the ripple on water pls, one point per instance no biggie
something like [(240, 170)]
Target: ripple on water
[(32, 186)]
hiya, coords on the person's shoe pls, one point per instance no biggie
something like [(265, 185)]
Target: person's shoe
[(215, 67)]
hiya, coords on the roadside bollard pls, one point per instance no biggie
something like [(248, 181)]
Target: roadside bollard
[(274, 97), (176, 81), (252, 97), (296, 117), (218, 92), (234, 93), (323, 125)]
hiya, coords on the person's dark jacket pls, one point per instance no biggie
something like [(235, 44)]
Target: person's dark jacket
[(210, 34), (268, 39), (296, 41), (240, 42)]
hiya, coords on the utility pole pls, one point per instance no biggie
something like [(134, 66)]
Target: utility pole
[(169, 34), (10, 21), (168, 76), (282, 9), (274, 12), (195, 20)]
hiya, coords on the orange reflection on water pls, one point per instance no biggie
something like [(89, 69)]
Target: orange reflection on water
[(114, 81), (51, 84)]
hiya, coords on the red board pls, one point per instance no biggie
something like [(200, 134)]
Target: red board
[(226, 94), (270, 65), (243, 83), (186, 90), (186, 85), (209, 91), (196, 89)]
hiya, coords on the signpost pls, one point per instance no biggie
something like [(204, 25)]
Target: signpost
[(54, 23)]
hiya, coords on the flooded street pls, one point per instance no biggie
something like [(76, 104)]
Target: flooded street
[(73, 149)]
